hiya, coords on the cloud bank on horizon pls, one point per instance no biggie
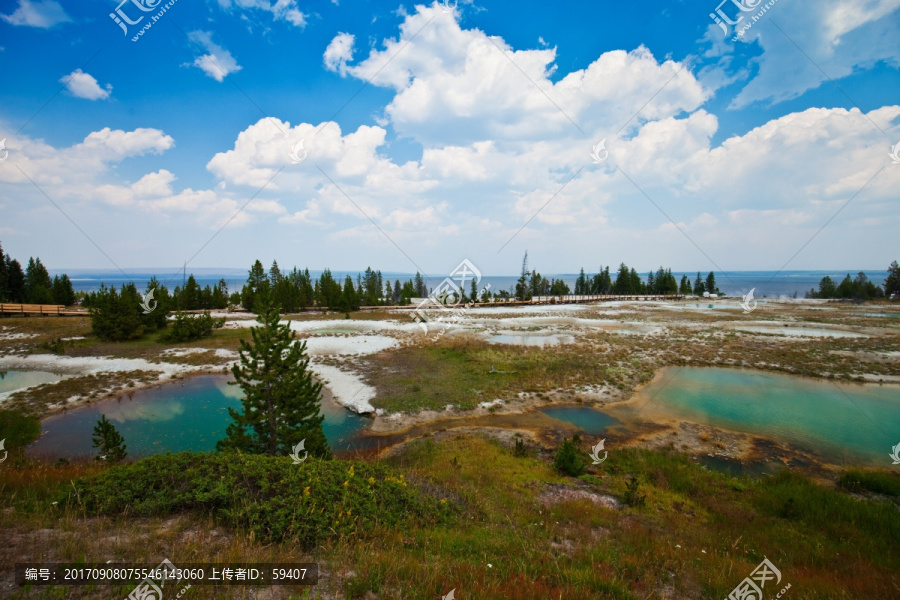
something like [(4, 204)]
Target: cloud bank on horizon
[(431, 135)]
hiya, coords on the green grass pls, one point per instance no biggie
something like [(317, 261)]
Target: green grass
[(473, 517), (878, 482), (457, 371)]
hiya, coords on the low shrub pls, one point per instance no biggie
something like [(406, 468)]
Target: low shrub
[(520, 447), (274, 498), (186, 327), (632, 496), (567, 459)]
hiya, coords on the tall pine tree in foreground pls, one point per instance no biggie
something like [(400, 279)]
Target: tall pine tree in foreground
[(281, 401)]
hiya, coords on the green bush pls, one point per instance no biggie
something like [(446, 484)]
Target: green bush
[(56, 345), (879, 482), (18, 430), (274, 498), (187, 327), (632, 496), (567, 460), (118, 316)]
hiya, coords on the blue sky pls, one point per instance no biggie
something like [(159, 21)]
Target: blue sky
[(432, 135)]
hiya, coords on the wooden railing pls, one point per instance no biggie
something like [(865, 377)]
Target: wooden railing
[(37, 309), (567, 299)]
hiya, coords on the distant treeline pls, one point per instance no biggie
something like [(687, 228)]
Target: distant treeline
[(627, 283), (859, 288), (297, 290), (33, 285)]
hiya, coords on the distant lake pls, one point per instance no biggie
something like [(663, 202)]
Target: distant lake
[(766, 283)]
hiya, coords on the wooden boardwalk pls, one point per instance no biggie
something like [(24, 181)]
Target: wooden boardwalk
[(51, 310), (55, 310), (568, 299)]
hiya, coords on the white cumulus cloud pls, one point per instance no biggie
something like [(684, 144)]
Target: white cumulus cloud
[(83, 85), (339, 52), (218, 62), (38, 13)]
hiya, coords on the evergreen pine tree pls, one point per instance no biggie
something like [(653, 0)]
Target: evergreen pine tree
[(191, 297), (4, 277), (15, 280), (109, 442), (699, 286), (622, 286), (581, 285), (419, 285), (157, 318), (275, 274), (349, 297), (637, 286), (523, 288), (118, 317), (63, 293), (38, 287), (219, 298), (892, 283), (256, 282), (281, 401)]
